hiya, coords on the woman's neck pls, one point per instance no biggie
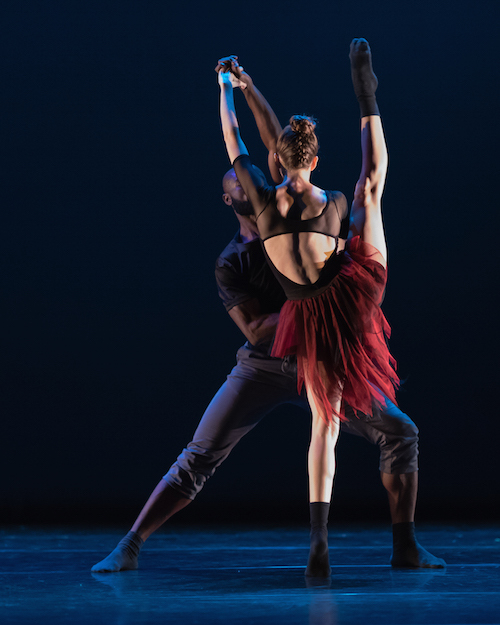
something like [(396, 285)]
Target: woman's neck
[(298, 180)]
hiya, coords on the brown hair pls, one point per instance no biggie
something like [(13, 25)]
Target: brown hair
[(298, 144)]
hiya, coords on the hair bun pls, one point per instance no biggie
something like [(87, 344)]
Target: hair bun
[(297, 144), (302, 124)]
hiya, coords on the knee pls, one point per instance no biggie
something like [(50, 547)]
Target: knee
[(399, 451), (193, 468), (408, 429), (398, 424), (200, 460)]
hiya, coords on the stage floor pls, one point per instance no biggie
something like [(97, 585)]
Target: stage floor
[(234, 575)]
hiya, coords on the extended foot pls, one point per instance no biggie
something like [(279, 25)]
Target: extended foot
[(364, 79), (414, 556), (124, 557), (319, 561), (118, 560)]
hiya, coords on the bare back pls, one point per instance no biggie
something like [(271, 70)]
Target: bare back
[(301, 256), (300, 231)]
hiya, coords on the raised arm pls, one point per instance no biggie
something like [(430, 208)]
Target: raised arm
[(366, 213), (230, 129), (267, 123), (249, 177)]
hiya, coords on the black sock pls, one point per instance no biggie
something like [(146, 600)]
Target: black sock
[(319, 564), (407, 552), (363, 78), (403, 534), (318, 512)]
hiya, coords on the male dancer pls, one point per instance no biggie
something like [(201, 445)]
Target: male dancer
[(258, 383)]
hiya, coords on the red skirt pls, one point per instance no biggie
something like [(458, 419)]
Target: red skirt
[(344, 329)]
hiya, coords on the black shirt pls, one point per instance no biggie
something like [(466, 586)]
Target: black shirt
[(242, 274)]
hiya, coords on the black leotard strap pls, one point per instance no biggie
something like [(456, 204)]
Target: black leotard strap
[(271, 222), (333, 220)]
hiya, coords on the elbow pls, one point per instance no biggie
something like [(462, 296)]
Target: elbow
[(254, 334), (230, 133), (258, 332), (253, 338)]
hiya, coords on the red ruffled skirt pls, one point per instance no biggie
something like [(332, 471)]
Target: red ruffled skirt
[(344, 329)]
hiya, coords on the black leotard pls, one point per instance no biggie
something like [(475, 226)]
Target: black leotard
[(333, 221)]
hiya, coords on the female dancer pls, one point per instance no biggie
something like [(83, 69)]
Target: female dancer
[(332, 320)]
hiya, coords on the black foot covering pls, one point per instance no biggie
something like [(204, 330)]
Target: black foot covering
[(123, 558), (408, 553), (363, 78), (319, 561)]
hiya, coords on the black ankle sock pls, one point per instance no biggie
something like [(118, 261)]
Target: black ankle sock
[(318, 564), (408, 553), (403, 533), (363, 78), (319, 511)]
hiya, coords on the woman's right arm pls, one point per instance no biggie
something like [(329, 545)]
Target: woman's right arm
[(366, 213), (230, 129), (267, 123), (249, 178)]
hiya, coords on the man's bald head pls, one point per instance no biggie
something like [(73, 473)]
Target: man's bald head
[(234, 195)]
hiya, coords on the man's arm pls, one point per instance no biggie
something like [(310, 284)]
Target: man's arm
[(241, 302), (255, 326), (267, 123)]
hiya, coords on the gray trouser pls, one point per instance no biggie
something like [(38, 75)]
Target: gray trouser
[(255, 386)]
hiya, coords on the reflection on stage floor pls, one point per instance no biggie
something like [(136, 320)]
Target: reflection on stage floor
[(247, 575)]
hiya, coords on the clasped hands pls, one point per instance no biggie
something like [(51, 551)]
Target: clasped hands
[(231, 72)]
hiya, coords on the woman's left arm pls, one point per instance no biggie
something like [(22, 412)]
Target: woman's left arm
[(230, 129)]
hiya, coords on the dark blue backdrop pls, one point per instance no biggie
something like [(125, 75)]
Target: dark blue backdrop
[(114, 339)]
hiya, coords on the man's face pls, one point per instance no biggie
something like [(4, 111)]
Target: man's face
[(235, 190), (234, 195)]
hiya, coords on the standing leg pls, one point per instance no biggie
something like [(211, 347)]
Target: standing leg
[(402, 494), (321, 466), (407, 552), (397, 437), (242, 401), (163, 503)]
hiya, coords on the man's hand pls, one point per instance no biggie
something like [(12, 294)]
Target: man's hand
[(230, 63)]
